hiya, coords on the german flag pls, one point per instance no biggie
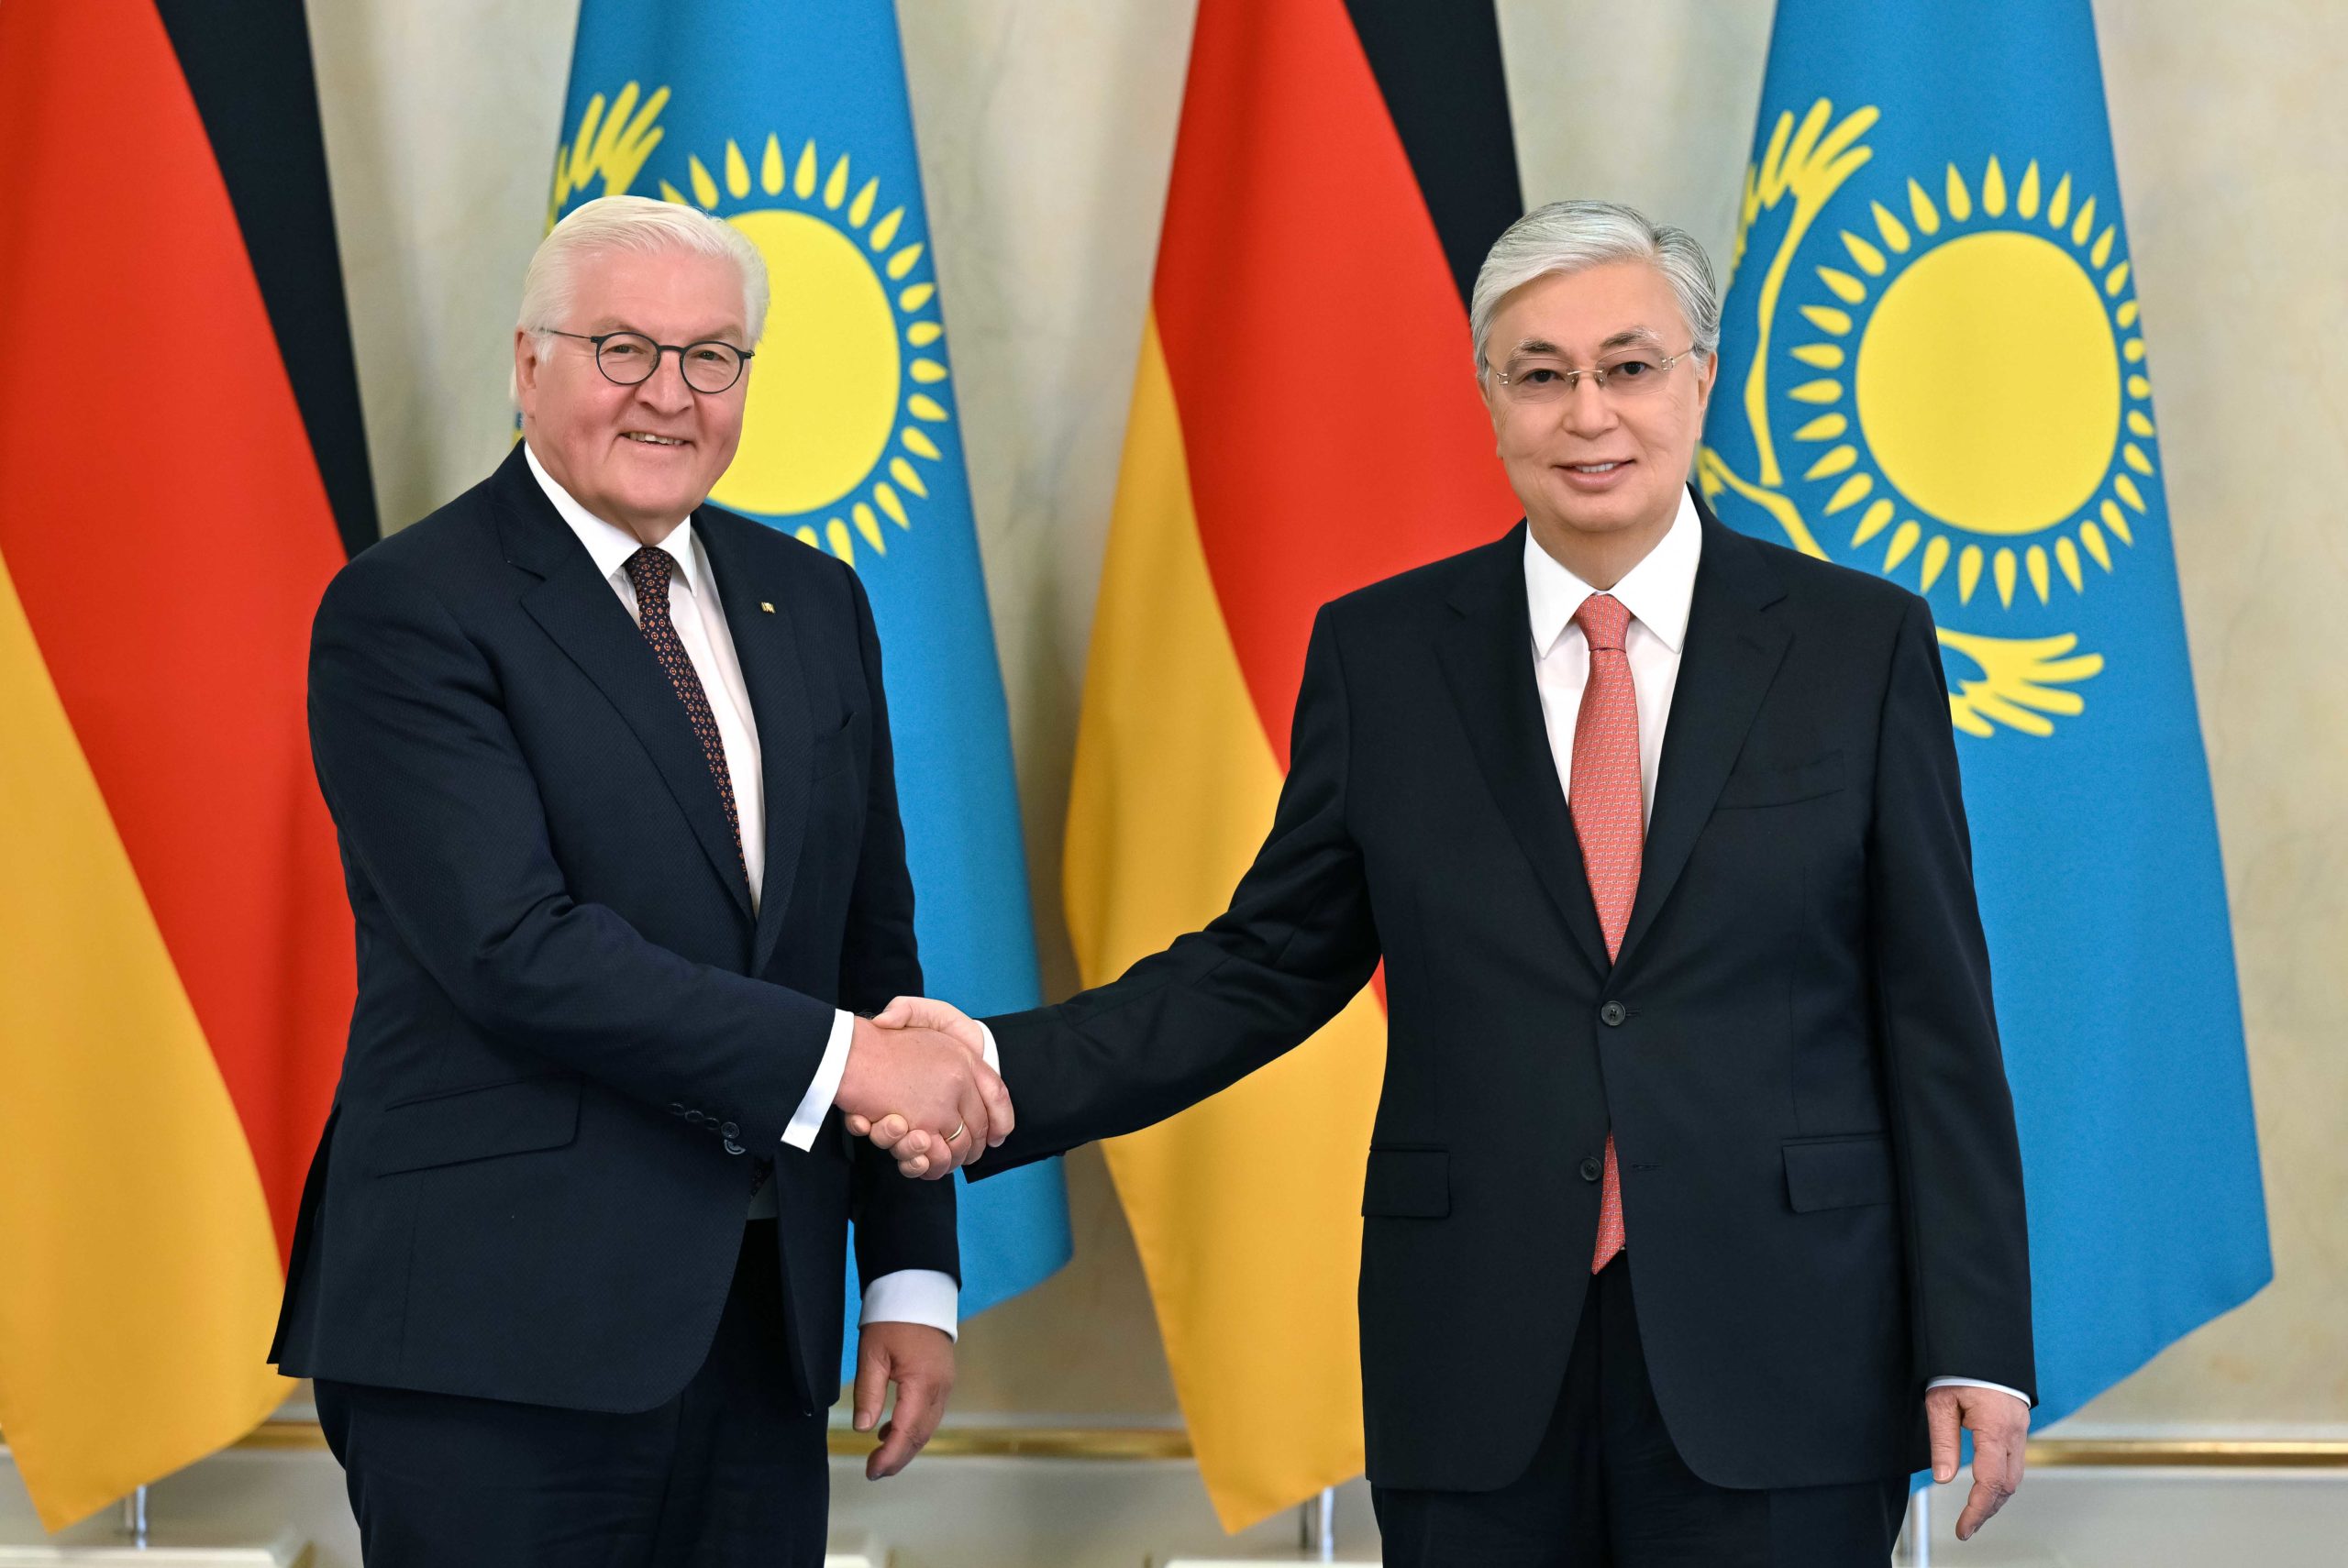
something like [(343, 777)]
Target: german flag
[(1305, 421), (182, 468)]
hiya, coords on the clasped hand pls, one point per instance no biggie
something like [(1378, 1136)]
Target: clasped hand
[(917, 1084)]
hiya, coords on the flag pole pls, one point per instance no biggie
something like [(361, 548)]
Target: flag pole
[(134, 1518), (1316, 1526)]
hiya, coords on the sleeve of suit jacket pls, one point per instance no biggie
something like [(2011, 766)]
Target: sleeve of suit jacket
[(1962, 1180), (899, 1224), (1295, 945), (435, 801)]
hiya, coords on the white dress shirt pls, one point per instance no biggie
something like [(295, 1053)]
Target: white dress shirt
[(1659, 592), (908, 1296)]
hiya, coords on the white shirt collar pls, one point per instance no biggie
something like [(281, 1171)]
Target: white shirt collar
[(1658, 591), (609, 544)]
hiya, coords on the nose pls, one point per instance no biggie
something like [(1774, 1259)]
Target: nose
[(1587, 411), (665, 389)]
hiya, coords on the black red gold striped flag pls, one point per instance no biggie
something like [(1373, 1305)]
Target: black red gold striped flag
[(1305, 421), (182, 468)]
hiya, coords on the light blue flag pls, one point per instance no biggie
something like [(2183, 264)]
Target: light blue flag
[(1933, 368), (789, 118)]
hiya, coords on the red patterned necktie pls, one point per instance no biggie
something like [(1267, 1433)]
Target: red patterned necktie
[(649, 569), (1611, 821)]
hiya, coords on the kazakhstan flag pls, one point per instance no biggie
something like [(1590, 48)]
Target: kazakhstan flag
[(789, 119), (1933, 368)]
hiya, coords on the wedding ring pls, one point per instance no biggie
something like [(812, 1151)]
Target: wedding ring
[(960, 1126)]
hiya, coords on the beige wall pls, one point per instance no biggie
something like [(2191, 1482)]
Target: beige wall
[(1047, 130)]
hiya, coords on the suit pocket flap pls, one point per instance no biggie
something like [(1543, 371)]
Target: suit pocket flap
[(1408, 1184), (1783, 785), (1839, 1173), (509, 1118)]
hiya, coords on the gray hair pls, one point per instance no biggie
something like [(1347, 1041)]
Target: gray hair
[(1566, 236), (643, 226)]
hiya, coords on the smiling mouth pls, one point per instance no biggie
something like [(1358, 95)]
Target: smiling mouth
[(645, 438), (1596, 467)]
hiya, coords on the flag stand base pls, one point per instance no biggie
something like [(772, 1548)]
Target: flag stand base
[(104, 1544)]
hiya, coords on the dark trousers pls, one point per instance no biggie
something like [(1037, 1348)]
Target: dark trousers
[(728, 1472), (1607, 1489)]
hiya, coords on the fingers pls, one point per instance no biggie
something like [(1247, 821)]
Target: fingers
[(1000, 1119), (885, 1133), (921, 1404), (1997, 1475), (1941, 1423), (872, 1384), (925, 1012), (1981, 1505), (973, 1108)]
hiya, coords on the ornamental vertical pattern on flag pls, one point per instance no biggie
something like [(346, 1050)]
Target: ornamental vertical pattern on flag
[(1933, 367), (185, 464), (1305, 421), (789, 118)]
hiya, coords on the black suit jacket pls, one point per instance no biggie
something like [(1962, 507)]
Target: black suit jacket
[(1795, 1051), (573, 1041)]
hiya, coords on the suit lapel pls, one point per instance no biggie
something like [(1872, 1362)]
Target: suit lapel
[(1733, 651), (766, 644), (576, 607), (1487, 657)]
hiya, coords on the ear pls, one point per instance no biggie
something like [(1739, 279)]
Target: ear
[(1704, 379), (526, 361)]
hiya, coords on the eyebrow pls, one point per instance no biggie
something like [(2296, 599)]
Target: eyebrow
[(726, 334), (1622, 340)]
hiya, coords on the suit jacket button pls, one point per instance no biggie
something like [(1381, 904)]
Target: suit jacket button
[(732, 1147), (695, 1116), (1592, 1170), (730, 1132), (1612, 1013), (675, 1110)]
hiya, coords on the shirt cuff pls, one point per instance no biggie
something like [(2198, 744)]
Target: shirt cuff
[(1978, 1383), (994, 1057), (808, 1119), (913, 1296)]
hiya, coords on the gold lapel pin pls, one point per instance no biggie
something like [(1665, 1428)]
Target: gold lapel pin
[(765, 606)]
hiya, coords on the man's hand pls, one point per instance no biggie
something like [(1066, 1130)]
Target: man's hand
[(936, 1089), (2000, 1426), (920, 1361), (920, 1151)]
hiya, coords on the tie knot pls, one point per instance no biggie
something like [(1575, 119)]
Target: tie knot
[(649, 569), (1603, 620)]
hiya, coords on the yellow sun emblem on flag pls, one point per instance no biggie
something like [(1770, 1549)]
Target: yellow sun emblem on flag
[(835, 439), (1967, 392)]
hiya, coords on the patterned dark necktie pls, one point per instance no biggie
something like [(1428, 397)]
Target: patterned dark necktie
[(649, 569)]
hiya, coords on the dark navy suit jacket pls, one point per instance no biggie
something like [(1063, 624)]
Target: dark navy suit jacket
[(1795, 1048), (574, 1040)]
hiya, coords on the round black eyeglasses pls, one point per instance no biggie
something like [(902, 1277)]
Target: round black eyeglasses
[(629, 358)]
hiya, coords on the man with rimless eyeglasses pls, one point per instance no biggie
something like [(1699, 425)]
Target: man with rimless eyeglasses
[(612, 774), (1693, 1213)]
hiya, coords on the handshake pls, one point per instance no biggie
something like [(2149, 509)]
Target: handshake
[(919, 1086)]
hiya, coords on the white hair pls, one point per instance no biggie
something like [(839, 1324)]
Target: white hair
[(1566, 236), (643, 226)]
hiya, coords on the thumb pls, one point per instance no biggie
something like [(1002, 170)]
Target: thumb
[(1941, 1421), (872, 1384), (897, 1015)]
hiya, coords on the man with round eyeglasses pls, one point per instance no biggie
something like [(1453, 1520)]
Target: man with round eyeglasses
[(612, 774)]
